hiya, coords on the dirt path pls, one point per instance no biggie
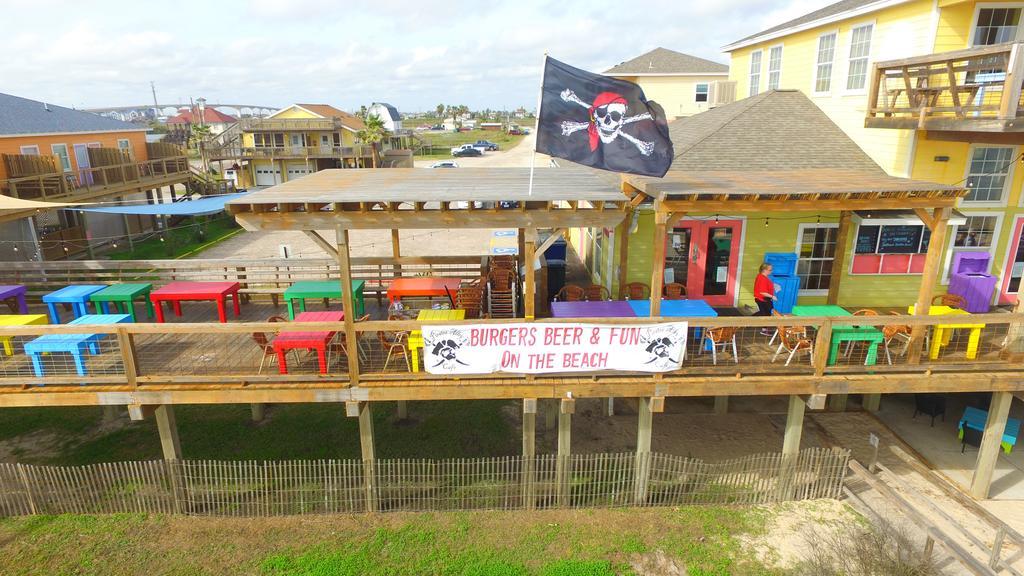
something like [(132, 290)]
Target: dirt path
[(517, 156)]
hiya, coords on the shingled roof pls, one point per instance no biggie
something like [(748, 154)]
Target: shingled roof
[(665, 61), (23, 116), (827, 12), (775, 130)]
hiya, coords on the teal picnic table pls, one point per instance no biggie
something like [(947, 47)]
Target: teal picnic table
[(325, 289), (123, 296), (872, 336)]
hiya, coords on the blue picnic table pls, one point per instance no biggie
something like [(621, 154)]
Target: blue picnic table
[(74, 344), (975, 418), (77, 296), (678, 309)]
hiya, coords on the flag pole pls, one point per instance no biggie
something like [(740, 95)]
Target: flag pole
[(536, 127)]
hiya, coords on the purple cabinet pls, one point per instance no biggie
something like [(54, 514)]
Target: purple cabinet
[(969, 277)]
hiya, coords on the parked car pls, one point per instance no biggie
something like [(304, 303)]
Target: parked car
[(515, 131), (486, 145), (445, 164), (466, 150)]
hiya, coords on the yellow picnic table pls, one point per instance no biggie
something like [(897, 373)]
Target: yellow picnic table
[(18, 320), (943, 332), (416, 336)]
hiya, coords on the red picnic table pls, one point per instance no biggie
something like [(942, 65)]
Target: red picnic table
[(403, 287), (318, 340), (178, 292)]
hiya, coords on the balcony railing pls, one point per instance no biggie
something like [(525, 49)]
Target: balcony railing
[(288, 124), (89, 182), (281, 152), (973, 90)]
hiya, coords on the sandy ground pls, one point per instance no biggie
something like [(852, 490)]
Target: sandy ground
[(517, 156)]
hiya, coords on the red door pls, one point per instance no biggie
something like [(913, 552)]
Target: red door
[(1013, 273), (703, 255)]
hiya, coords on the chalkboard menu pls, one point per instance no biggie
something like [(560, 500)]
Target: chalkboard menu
[(899, 239), (867, 239)]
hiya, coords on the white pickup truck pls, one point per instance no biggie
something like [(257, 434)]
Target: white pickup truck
[(468, 150)]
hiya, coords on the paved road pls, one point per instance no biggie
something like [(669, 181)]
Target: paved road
[(518, 156)]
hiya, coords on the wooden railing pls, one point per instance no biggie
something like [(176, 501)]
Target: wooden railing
[(169, 357), (259, 152), (978, 89), (289, 124), (88, 182), (266, 276)]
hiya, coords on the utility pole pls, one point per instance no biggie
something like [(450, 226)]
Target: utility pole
[(156, 107)]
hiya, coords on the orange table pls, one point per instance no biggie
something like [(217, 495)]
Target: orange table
[(407, 287)]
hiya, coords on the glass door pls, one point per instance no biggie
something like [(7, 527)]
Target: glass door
[(704, 257), (1013, 274)]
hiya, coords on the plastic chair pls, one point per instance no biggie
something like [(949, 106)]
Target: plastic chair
[(952, 300), (503, 261), (340, 344), (775, 314), (724, 337), (571, 293), (396, 343), (266, 347), (896, 332), (636, 291), (674, 291), (501, 293), (470, 298), (861, 312), (793, 341), (596, 292)]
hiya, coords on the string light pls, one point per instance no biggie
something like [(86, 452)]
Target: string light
[(765, 222)]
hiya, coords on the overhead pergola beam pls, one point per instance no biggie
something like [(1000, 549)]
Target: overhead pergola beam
[(431, 219), (799, 204), (322, 243)]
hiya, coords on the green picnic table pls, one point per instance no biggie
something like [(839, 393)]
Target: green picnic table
[(123, 297), (845, 333), (321, 289)]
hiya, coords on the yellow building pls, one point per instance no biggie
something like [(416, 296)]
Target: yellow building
[(292, 142), (682, 84), (922, 86)]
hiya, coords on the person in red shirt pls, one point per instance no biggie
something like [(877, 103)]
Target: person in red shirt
[(764, 293)]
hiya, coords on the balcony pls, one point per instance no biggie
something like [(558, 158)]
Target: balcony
[(214, 152), (289, 124), (965, 91)]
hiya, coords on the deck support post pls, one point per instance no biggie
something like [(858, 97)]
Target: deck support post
[(837, 402), (396, 252), (791, 446), (529, 242), (661, 218), (988, 452), (529, 452), (258, 411), (362, 411), (623, 269), (609, 406), (563, 463), (351, 341), (642, 466), (721, 405), (938, 223), (550, 414), (871, 402), (167, 426), (839, 261), (403, 409)]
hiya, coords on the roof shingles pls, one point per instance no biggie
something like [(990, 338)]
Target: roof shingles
[(665, 61), (23, 116)]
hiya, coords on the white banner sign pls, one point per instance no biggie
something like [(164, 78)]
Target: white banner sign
[(539, 348)]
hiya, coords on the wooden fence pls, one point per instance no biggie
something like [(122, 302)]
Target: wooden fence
[(275, 488)]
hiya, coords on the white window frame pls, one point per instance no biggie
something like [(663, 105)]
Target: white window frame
[(977, 14), (867, 59), (991, 250), (778, 84), (832, 63), (799, 237), (27, 150), (1004, 198), (67, 154), (752, 89), (707, 92), (127, 144)]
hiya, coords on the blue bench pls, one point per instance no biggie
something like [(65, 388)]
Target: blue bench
[(975, 419), (74, 344)]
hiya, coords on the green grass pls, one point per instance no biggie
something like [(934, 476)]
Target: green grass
[(290, 431), (443, 142), (544, 543), (183, 240)]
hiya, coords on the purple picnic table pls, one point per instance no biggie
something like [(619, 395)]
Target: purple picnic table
[(15, 291), (593, 309)]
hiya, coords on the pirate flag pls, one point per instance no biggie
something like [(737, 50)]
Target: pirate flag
[(601, 122)]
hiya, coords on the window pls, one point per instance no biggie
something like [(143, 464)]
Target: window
[(61, 152), (996, 25), (701, 93), (755, 72), (30, 150), (823, 69), (124, 144), (774, 67), (892, 239), (816, 249), (860, 50), (987, 175), (977, 234), (268, 140)]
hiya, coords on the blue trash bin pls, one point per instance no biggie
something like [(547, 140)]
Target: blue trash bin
[(785, 277)]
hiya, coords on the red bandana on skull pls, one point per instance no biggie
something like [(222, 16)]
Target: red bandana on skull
[(602, 100)]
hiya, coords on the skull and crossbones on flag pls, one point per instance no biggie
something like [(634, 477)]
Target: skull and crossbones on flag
[(601, 122)]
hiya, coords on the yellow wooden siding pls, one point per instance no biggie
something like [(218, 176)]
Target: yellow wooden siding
[(675, 94), (294, 112)]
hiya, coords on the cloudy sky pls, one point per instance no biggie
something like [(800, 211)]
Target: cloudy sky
[(482, 53)]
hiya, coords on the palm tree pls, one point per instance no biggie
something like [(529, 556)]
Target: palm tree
[(197, 134), (440, 111), (373, 134)]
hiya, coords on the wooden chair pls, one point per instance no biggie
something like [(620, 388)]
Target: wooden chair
[(395, 343), (501, 293), (794, 341), (636, 291), (861, 312), (775, 314), (470, 298), (571, 293), (674, 291), (266, 347), (896, 333), (340, 344), (503, 261), (723, 337), (952, 300), (596, 292)]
